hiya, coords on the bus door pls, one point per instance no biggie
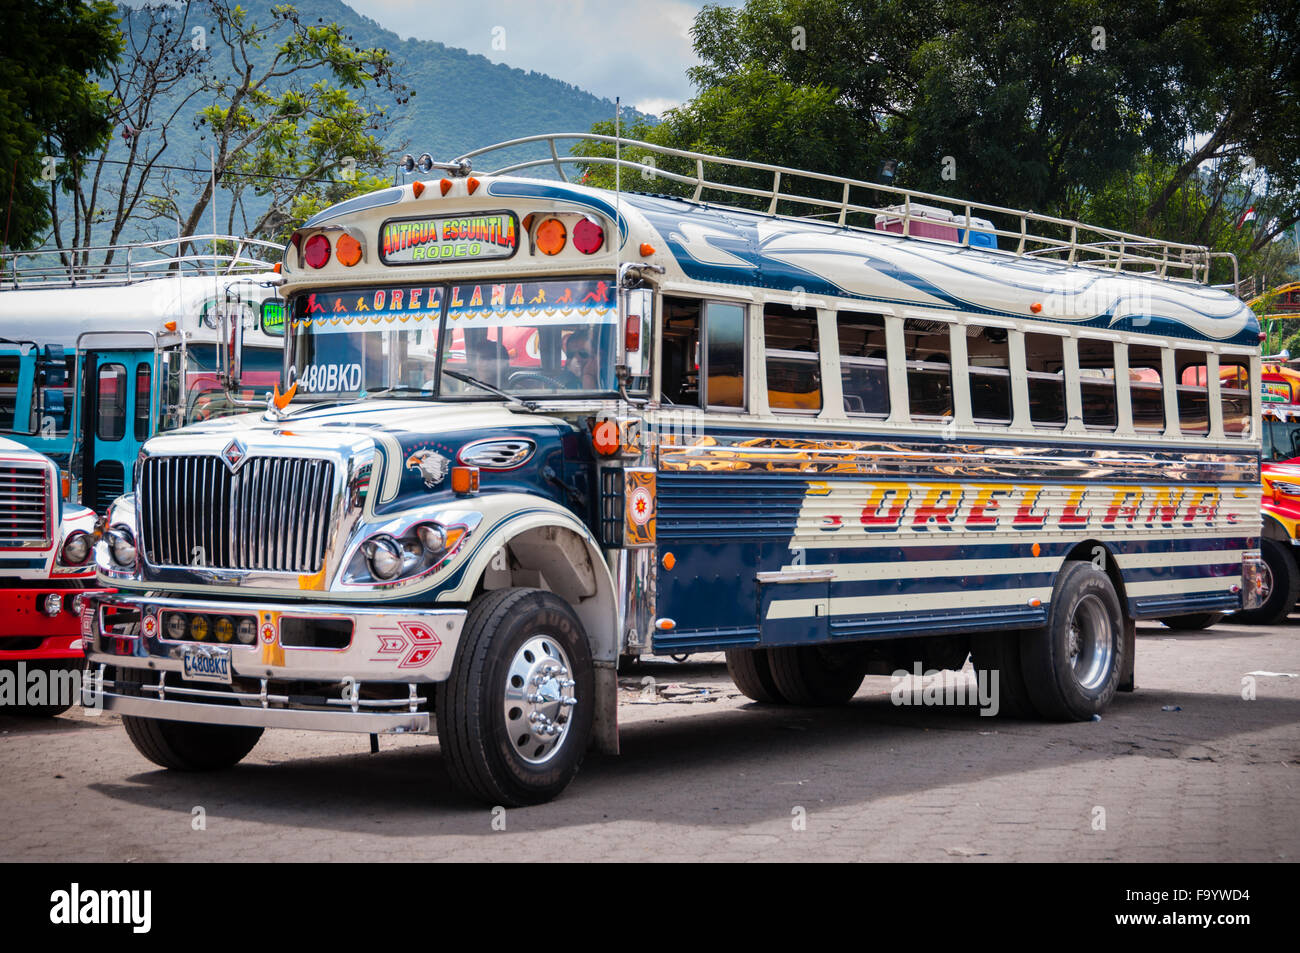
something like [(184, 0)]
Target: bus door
[(117, 402)]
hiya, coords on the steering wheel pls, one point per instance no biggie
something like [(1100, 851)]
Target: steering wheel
[(546, 379)]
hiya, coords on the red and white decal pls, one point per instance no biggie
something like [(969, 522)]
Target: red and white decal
[(268, 633), (150, 625), (415, 644), (640, 506)]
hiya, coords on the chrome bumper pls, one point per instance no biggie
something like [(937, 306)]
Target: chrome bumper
[(399, 650)]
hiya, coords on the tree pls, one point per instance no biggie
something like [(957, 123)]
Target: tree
[(48, 105)]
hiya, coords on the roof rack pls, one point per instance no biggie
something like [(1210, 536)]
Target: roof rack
[(1072, 242), (124, 264)]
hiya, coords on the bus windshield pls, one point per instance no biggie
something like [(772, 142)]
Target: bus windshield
[(1281, 439), (527, 338)]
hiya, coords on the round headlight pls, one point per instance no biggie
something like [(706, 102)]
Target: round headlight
[(76, 549), (122, 545), (52, 604), (247, 631), (385, 557), (434, 539)]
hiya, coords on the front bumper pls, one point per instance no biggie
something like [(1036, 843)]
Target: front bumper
[(28, 634), (376, 683)]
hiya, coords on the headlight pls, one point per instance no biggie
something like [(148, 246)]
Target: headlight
[(121, 545), (76, 549), (1290, 489), (419, 550), (385, 557)]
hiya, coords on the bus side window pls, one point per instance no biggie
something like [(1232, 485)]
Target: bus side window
[(1146, 388), (793, 366), (725, 361), (1193, 392), (864, 369), (1234, 394), (703, 353), (1097, 384), (681, 352), (988, 353), (929, 368), (112, 402), (1045, 365)]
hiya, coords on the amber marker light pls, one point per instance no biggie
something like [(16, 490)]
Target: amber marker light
[(551, 236), (1036, 549), (472, 185), (604, 437), (445, 185), (1035, 307), (417, 189), (277, 267), (347, 250), (170, 325), (464, 480), (669, 561), (647, 249)]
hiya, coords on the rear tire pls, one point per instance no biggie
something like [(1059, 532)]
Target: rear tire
[(1072, 666), (521, 654), (185, 745), (751, 670), (806, 675), (1200, 620), (999, 653), (1285, 588)]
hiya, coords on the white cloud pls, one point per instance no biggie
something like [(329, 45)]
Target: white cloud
[(637, 49)]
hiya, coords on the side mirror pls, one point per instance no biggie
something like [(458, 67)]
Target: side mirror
[(272, 319)]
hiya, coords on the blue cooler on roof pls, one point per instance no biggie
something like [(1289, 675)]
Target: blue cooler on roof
[(978, 239)]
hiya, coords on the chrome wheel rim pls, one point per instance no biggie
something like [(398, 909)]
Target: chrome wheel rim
[(539, 699), (1265, 582), (1091, 642)]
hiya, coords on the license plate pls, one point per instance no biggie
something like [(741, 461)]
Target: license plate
[(205, 663)]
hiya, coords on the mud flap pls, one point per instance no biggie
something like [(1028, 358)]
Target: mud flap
[(1127, 682), (604, 725)]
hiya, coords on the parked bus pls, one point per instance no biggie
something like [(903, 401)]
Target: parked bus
[(46, 571), (533, 426), (95, 360)]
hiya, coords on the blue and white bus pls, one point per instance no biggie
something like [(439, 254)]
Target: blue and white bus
[(94, 360), (533, 426)]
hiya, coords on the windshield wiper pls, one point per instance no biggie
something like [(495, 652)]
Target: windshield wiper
[(364, 395), (466, 379)]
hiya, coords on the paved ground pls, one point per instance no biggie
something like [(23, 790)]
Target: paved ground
[(706, 775)]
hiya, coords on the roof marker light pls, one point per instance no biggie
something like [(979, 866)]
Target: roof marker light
[(417, 189), (347, 250), (445, 185), (317, 251), (588, 237), (551, 236), (472, 184)]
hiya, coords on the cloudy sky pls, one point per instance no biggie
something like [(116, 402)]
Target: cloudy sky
[(637, 49)]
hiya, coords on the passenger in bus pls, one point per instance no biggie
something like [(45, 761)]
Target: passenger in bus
[(492, 365)]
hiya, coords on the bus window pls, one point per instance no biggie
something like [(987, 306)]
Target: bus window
[(725, 326), (929, 368), (10, 365), (864, 370), (1045, 365), (1146, 388), (1234, 394), (719, 363), (793, 365), (1097, 384), (1193, 393), (142, 379), (988, 353), (112, 402)]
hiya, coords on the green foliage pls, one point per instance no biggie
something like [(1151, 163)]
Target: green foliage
[(48, 106)]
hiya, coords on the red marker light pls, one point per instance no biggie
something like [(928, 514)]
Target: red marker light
[(317, 251), (632, 333), (588, 237)]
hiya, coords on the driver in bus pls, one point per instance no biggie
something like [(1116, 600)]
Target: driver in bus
[(579, 363)]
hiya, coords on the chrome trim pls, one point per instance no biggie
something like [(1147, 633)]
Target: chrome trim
[(796, 575), (498, 453)]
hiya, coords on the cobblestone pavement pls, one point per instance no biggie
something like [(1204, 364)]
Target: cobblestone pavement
[(705, 775)]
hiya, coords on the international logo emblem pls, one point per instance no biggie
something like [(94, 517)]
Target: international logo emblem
[(234, 454)]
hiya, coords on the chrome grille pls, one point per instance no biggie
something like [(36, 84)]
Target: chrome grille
[(24, 504), (272, 514)]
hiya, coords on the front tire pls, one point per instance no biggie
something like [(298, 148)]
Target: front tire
[(1284, 586), (515, 717), (1072, 666)]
